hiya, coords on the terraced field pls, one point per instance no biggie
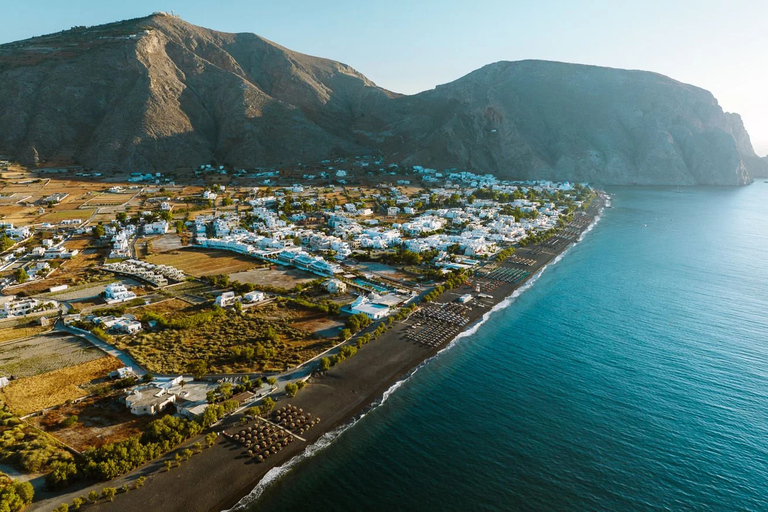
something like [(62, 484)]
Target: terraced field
[(45, 353)]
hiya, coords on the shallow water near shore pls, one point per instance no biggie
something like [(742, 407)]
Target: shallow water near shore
[(632, 375)]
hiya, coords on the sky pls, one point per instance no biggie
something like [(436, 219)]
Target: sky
[(409, 46)]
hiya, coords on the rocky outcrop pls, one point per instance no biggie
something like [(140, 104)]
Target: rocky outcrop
[(157, 93)]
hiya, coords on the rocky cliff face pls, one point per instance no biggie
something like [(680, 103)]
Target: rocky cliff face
[(157, 93)]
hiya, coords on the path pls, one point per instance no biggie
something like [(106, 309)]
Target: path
[(106, 347)]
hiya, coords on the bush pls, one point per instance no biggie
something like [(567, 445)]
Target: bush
[(109, 493), (70, 421), (15, 496)]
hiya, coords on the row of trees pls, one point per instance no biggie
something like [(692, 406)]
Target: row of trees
[(457, 279), (114, 459)]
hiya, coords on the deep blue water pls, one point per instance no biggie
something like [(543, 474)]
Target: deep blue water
[(632, 376)]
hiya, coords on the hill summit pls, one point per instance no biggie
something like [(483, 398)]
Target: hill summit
[(157, 93)]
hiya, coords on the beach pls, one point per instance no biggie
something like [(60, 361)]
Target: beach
[(219, 477)]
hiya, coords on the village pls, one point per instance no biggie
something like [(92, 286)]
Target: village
[(153, 295)]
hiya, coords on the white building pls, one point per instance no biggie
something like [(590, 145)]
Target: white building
[(156, 228), (117, 292), (149, 401), (335, 286), (226, 299), (254, 296), (370, 309), (18, 307)]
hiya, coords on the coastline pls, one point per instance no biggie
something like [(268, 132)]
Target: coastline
[(222, 478)]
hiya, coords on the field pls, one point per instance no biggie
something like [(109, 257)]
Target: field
[(56, 216), (109, 199), (18, 330), (262, 339), (204, 262), (45, 353), (101, 420), (53, 388), (278, 276)]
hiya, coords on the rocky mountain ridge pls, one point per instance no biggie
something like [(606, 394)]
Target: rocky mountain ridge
[(158, 93)]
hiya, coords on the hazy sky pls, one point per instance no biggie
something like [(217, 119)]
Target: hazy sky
[(412, 45)]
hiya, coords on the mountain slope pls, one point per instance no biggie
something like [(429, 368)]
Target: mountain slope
[(157, 93)]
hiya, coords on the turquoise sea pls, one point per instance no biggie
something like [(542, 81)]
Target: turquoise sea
[(633, 375)]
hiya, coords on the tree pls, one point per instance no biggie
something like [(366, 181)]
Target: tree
[(291, 389), (21, 275), (5, 242), (168, 465), (121, 217), (325, 364), (198, 369), (166, 216), (109, 493), (271, 381), (77, 503), (346, 334), (140, 482), (62, 508), (98, 230), (267, 404), (210, 439), (93, 496)]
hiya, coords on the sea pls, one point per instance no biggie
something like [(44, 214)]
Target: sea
[(631, 375)]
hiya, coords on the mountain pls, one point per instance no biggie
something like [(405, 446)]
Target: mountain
[(158, 93)]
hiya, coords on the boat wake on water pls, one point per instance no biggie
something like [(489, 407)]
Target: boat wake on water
[(326, 439)]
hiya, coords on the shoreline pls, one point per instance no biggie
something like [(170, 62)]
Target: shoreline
[(222, 478)]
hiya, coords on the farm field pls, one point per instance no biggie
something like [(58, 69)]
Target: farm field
[(101, 420), (204, 262), (53, 388), (280, 277), (45, 353)]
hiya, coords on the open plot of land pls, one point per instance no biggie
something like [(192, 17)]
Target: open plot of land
[(53, 388), (10, 330), (384, 271), (109, 199), (204, 262), (101, 420), (280, 277), (194, 292), (45, 353), (57, 215), (165, 243)]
